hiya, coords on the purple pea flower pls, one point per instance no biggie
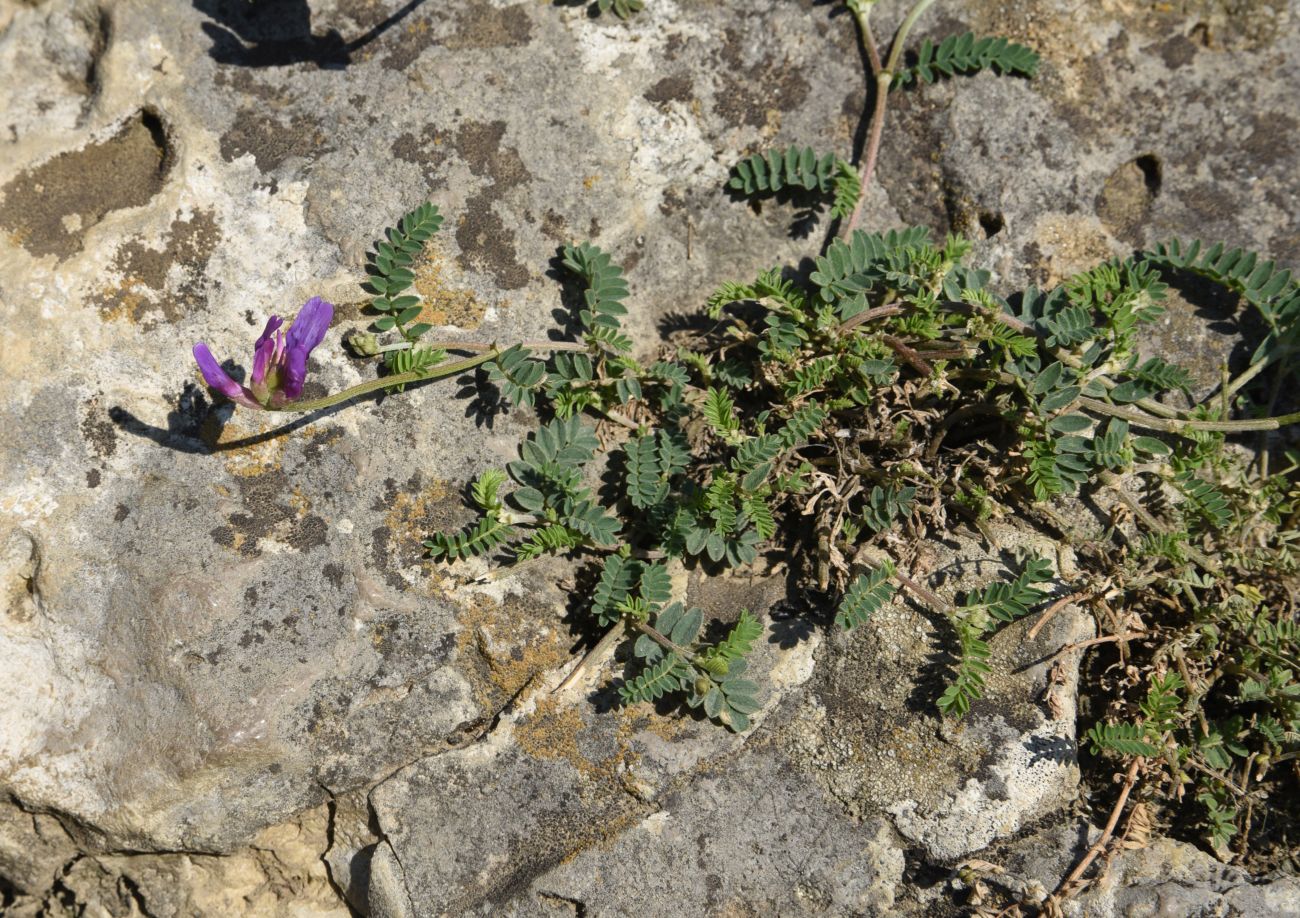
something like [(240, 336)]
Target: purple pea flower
[(279, 359)]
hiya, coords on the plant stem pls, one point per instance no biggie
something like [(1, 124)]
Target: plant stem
[(390, 382), (926, 595), (868, 167), (1053, 609), (663, 641), (884, 78), (1113, 481), (597, 653), (879, 312), (896, 48), (1180, 425), (475, 347), (1066, 887)]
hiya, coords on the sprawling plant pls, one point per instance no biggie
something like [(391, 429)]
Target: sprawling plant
[(845, 416)]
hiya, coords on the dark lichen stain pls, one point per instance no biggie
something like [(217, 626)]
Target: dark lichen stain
[(121, 513), (479, 25), (428, 150), (917, 184), (676, 88), (1178, 51), (480, 145), (748, 93), (92, 478), (48, 210), (99, 432), (334, 574), (243, 83), (270, 141), (487, 245), (268, 514), (309, 532), (145, 273), (413, 509), (412, 37), (315, 448), (1273, 139), (555, 227)]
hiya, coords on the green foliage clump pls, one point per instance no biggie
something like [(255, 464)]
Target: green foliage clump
[(835, 418)]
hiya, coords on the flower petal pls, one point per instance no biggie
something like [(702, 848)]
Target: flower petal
[(272, 326), (262, 359), (295, 372), (219, 379), (309, 326)]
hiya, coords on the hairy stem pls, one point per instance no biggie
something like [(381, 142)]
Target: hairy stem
[(877, 129), (879, 312), (1180, 425), (663, 641), (884, 78), (391, 382), (475, 347), (1067, 884)]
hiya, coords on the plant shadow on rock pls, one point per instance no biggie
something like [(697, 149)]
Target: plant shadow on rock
[(195, 426), (483, 399), (278, 33)]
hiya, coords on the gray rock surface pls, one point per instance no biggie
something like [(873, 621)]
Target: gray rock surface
[(1164, 878), (232, 682)]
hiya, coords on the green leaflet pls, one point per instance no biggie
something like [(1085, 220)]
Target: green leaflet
[(966, 54), (865, 596)]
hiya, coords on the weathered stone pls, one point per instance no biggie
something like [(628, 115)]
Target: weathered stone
[(870, 730), (473, 830), (1161, 877), (209, 631)]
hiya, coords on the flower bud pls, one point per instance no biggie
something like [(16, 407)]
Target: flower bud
[(363, 345)]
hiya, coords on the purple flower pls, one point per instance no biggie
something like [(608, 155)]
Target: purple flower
[(279, 359)]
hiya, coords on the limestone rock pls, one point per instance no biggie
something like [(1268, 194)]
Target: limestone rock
[(211, 627), (953, 788)]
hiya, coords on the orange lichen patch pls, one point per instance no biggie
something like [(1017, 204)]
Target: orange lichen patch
[(443, 303), (255, 457), (125, 299), (299, 501), (412, 513), (551, 732), (669, 729), (506, 646), (554, 730), (590, 180)]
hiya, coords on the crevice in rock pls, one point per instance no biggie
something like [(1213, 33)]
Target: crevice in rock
[(1125, 201), (331, 815), (131, 890), (101, 36), (1149, 165), (579, 907), (59, 891)]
